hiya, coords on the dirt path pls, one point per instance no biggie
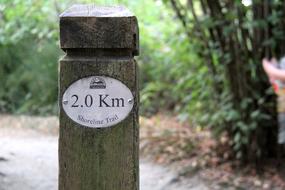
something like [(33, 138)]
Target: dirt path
[(29, 162)]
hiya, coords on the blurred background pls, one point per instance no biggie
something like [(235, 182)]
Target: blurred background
[(206, 104)]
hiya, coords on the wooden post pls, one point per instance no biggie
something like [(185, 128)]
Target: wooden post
[(98, 98)]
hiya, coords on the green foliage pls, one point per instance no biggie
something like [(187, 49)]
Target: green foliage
[(231, 39), (171, 72), (28, 56), (206, 69)]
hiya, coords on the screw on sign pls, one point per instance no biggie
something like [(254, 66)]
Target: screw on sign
[(98, 98)]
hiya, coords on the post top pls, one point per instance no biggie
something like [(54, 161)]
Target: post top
[(99, 27), (93, 10)]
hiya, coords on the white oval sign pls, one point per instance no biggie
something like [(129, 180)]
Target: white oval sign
[(97, 101)]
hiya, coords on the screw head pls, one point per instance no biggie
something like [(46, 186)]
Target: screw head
[(130, 101)]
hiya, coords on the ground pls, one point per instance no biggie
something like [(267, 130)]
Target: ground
[(29, 159), (174, 156), (196, 152)]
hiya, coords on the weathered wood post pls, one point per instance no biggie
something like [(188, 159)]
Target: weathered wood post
[(98, 98)]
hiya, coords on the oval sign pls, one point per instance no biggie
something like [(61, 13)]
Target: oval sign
[(97, 101)]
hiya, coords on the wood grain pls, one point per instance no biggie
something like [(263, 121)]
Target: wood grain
[(115, 31), (99, 158)]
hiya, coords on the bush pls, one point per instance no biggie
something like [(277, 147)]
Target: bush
[(28, 54), (231, 39)]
